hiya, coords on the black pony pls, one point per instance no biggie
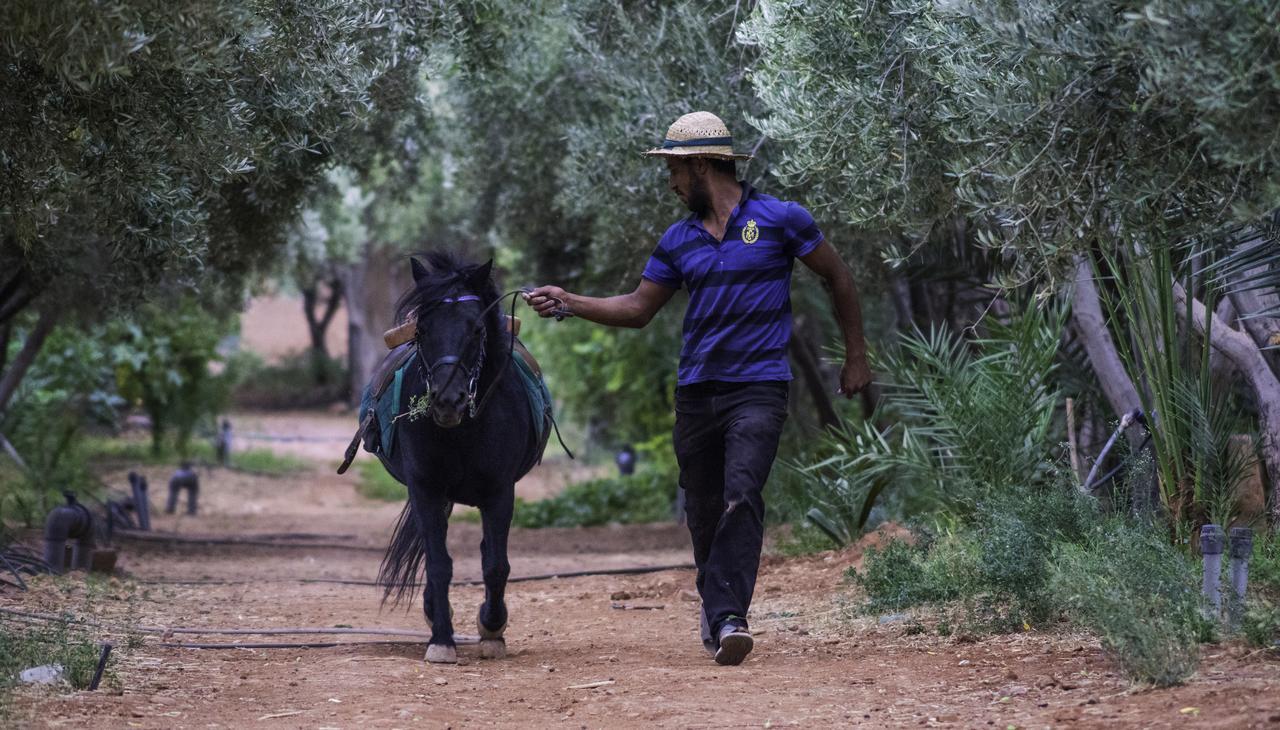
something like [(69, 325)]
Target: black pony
[(475, 439)]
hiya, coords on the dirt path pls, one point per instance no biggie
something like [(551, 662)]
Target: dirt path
[(575, 661)]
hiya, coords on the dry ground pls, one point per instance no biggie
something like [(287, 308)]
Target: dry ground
[(575, 660)]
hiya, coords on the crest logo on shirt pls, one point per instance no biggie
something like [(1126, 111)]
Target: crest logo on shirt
[(751, 233)]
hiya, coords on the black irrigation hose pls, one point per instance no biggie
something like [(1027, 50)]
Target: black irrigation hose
[(419, 635), (476, 582), (250, 542), (21, 583), (294, 645)]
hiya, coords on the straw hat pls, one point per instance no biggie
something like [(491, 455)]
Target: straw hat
[(700, 134)]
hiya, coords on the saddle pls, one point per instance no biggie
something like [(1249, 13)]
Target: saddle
[(399, 340)]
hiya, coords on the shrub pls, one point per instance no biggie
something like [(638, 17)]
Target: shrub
[(646, 496), (1261, 623), (1139, 595), (292, 383), (996, 567)]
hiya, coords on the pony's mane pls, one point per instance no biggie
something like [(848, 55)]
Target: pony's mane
[(445, 276)]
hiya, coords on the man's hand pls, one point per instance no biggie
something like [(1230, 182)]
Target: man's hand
[(548, 301), (855, 376)]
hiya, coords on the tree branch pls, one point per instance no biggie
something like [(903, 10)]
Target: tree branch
[(1241, 350), (1091, 327)]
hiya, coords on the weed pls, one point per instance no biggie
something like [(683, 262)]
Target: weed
[(261, 462), (61, 642), (376, 483)]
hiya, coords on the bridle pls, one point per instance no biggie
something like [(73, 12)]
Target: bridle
[(474, 405)]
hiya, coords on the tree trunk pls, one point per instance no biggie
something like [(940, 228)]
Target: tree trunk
[(1241, 350), (27, 355), (318, 324), (1091, 328), (807, 360), (900, 295), (1265, 330), (372, 287)]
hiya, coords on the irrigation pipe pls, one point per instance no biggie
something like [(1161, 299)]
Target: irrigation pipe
[(252, 542), (166, 631), (642, 570)]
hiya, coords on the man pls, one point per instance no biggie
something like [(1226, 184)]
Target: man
[(734, 253)]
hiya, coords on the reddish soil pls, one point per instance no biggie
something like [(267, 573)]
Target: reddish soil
[(574, 660)]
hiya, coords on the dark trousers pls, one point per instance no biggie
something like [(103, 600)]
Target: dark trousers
[(726, 438)]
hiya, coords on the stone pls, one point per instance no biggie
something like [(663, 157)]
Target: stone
[(43, 674)]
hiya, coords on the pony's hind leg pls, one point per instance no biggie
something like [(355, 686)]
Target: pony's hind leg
[(434, 513), (492, 620)]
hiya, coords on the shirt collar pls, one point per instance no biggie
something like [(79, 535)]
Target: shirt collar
[(747, 191)]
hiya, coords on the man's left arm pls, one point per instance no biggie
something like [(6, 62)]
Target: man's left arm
[(855, 375)]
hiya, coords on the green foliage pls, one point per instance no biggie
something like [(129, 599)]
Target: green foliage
[(1055, 123), (142, 147), (1139, 594), (646, 496), (618, 383), (1194, 411), (376, 483), (971, 420), (1264, 564), (168, 360)]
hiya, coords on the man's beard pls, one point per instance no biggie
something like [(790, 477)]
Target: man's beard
[(699, 200)]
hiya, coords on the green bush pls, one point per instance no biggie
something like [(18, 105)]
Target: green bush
[(996, 566), (298, 381), (1139, 595), (646, 496), (1261, 623), (1264, 565)]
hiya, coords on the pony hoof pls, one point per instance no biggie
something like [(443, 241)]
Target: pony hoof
[(442, 654), (487, 633), (493, 649)]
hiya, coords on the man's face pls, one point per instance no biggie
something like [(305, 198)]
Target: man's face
[(688, 182)]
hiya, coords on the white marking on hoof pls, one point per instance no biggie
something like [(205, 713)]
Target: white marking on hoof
[(441, 654), (493, 649), (486, 633)]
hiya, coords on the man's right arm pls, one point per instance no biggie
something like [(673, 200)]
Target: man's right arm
[(625, 310)]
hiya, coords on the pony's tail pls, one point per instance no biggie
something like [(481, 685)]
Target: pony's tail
[(403, 562)]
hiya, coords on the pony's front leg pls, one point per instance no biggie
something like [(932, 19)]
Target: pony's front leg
[(492, 621), (434, 512)]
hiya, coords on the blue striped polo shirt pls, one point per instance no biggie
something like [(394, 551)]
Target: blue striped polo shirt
[(738, 323)]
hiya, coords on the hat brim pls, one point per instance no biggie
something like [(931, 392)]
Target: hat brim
[(716, 152)]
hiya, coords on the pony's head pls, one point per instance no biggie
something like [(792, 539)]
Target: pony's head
[(452, 302)]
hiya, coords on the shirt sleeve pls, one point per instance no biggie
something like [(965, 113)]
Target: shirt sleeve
[(661, 269), (803, 235)]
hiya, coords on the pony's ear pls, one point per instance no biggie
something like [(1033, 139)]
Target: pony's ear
[(419, 271), (478, 276)]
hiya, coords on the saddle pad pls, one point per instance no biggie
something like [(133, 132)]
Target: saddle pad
[(385, 410), (539, 396), (387, 406)]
